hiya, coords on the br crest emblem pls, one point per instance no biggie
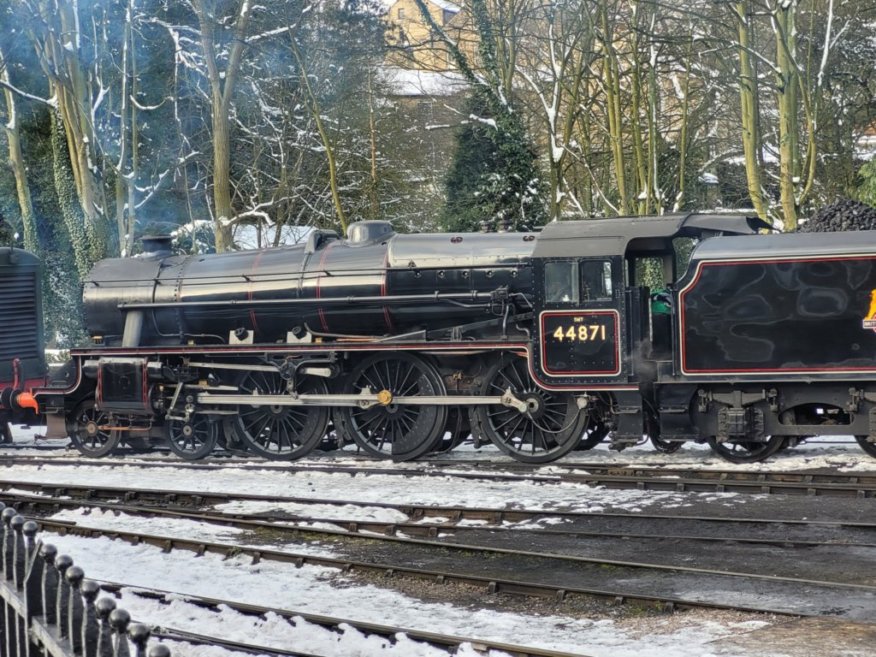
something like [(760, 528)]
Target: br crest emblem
[(870, 319)]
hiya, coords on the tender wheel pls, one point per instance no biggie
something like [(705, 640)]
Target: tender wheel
[(280, 432), (398, 431), (666, 446), (746, 451), (194, 439), (91, 432), (594, 433), (551, 428), (866, 445)]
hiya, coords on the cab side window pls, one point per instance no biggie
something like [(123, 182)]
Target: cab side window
[(596, 283), (561, 282)]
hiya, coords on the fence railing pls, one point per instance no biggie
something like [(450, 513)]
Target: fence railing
[(49, 609)]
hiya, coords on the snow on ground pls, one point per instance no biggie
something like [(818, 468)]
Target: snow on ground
[(326, 591), (333, 511), (320, 590), (372, 488)]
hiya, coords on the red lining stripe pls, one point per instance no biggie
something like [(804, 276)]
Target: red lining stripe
[(576, 313), (386, 316), (252, 315), (319, 310), (754, 371)]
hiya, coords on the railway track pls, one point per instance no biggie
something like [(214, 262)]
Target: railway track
[(555, 573), (429, 520), (331, 623), (626, 477)]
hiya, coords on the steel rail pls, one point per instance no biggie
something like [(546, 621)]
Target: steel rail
[(369, 528), (495, 516), (328, 622), (490, 585), (785, 483), (297, 530)]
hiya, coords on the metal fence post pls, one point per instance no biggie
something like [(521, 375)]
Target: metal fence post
[(8, 541), (140, 634), (33, 572), (105, 606), (49, 582), (120, 619), (62, 563), (10, 623), (74, 577), (18, 560), (90, 627)]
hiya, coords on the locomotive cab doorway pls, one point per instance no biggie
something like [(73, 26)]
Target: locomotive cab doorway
[(580, 325)]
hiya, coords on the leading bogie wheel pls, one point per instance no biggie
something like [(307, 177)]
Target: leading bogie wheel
[(194, 439), (746, 451), (550, 428), (279, 432), (389, 430), (91, 430)]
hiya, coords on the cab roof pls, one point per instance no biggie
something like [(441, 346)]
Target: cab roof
[(618, 235)]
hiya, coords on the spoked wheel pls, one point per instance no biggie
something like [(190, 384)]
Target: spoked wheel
[(594, 433), (194, 439), (666, 446), (746, 451), (91, 431), (550, 428), (280, 432), (387, 430), (866, 445)]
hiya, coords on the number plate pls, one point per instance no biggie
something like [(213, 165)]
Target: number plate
[(580, 343)]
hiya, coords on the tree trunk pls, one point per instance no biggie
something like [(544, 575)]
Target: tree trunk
[(16, 162), (221, 91), (788, 91), (613, 110), (748, 88)]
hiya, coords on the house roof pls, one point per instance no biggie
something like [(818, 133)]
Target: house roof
[(415, 82), (444, 5)]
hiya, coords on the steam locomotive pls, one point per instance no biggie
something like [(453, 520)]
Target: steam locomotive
[(528, 340)]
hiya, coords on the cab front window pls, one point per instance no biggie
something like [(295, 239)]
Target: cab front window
[(561, 282)]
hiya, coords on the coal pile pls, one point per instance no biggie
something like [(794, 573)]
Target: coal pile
[(844, 215)]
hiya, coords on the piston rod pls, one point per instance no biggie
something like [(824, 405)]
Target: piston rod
[(365, 399)]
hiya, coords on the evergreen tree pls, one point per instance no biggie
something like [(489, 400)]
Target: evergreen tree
[(493, 182), (499, 188)]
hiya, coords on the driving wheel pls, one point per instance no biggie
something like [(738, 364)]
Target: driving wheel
[(386, 429), (550, 427), (278, 432)]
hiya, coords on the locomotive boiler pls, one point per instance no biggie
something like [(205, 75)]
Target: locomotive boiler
[(375, 283), (536, 342)]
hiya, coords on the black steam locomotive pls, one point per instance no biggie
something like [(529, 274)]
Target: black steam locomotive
[(528, 340)]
